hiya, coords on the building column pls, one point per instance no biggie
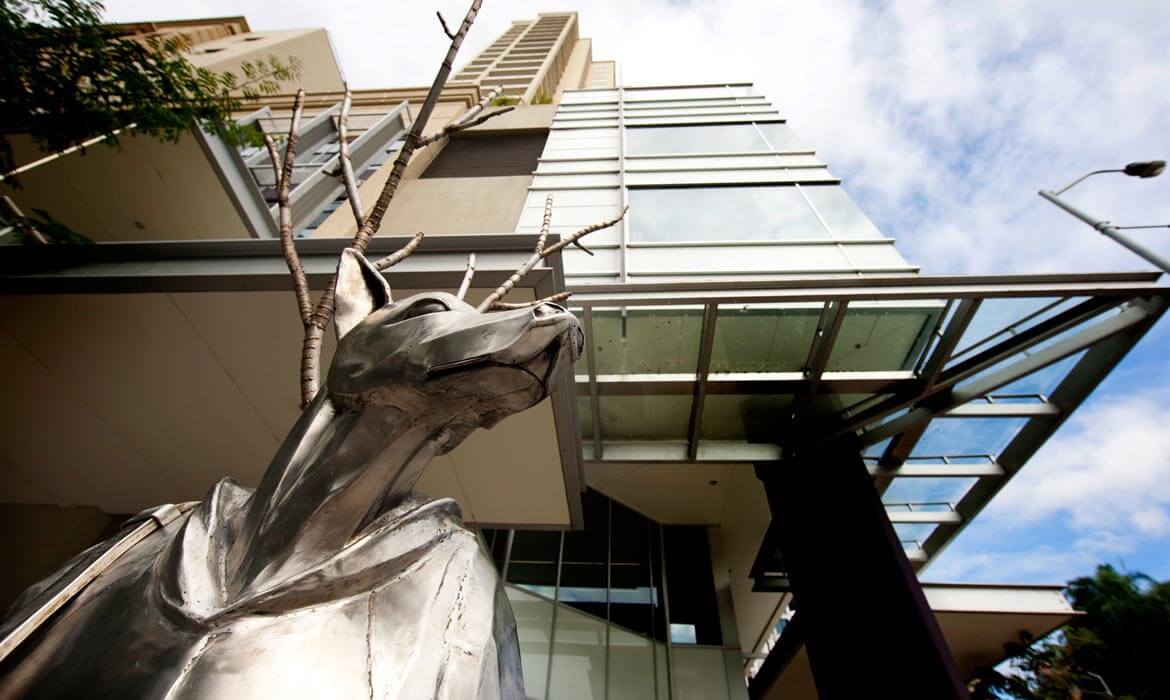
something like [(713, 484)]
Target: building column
[(866, 623)]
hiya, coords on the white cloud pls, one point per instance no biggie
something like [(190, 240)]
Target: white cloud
[(1105, 473), (1099, 485)]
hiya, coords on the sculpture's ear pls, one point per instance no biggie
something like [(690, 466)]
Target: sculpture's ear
[(361, 290)]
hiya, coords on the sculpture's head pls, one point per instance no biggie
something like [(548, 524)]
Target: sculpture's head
[(434, 354)]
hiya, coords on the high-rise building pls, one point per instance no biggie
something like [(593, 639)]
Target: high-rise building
[(697, 505), (536, 60)]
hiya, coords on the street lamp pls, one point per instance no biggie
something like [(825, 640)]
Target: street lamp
[(1142, 169)]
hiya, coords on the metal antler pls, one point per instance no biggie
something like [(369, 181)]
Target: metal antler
[(492, 302)]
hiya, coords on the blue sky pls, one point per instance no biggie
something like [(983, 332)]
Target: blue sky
[(944, 119)]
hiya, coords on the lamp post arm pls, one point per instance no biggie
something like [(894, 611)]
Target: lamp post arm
[(1086, 176), (1106, 229)]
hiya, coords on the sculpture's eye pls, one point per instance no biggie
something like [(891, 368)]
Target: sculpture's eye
[(421, 308)]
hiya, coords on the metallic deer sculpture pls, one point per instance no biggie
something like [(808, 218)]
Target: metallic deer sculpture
[(333, 578)]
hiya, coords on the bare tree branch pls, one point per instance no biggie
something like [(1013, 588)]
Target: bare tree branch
[(351, 188), (545, 224), (274, 156), (319, 319), (455, 128), (481, 105), (468, 118), (21, 222), (374, 221), (488, 303), (466, 283), (573, 239), (287, 243), (444, 23), (399, 255), (502, 306)]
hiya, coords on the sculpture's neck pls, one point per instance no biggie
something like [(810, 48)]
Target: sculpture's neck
[(336, 471)]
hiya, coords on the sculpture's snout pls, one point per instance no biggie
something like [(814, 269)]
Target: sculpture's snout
[(549, 314)]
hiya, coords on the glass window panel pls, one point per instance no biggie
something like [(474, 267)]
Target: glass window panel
[(876, 449), (722, 213), (750, 417), (584, 587), (927, 489), (647, 340), (537, 578), (844, 218), (657, 581), (662, 671), (699, 674), (781, 138), (912, 535), (585, 413), (682, 633), (690, 584), (882, 338), (534, 629), (967, 436), (578, 666), (645, 417), (1043, 382), (763, 337), (497, 545), (631, 666), (999, 319), (591, 544), (536, 546), (633, 598), (717, 138), (679, 93)]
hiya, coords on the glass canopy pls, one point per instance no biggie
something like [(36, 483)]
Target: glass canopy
[(950, 384)]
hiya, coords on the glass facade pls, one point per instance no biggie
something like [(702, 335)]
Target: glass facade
[(624, 608), (723, 196), (722, 213), (713, 138)]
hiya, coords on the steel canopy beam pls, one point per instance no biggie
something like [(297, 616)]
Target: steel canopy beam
[(255, 264), (1080, 382), (1137, 312)]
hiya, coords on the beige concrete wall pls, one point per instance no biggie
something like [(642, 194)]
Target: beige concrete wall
[(449, 205), (524, 118), (319, 69), (439, 206), (576, 69), (341, 223), (35, 540), (145, 190)]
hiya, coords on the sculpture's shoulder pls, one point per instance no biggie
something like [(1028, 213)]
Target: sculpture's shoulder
[(50, 613)]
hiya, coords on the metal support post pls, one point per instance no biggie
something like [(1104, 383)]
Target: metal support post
[(1106, 229), (867, 626)]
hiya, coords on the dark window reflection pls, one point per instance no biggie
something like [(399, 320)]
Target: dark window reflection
[(584, 580), (533, 564), (612, 569), (694, 613), (722, 214)]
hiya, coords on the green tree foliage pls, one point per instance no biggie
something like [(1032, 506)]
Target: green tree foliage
[(1121, 643), (65, 78)]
